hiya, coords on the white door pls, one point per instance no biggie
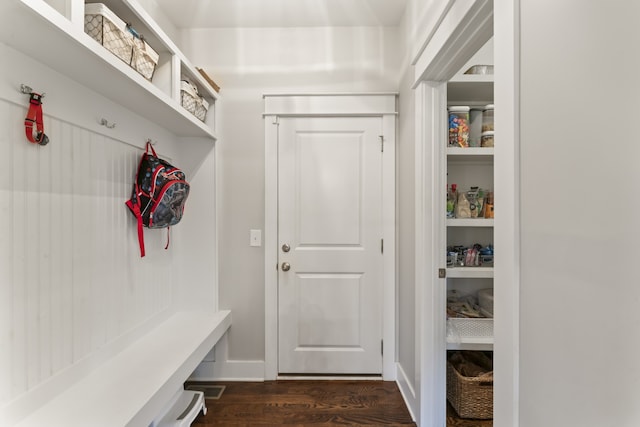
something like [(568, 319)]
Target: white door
[(329, 234)]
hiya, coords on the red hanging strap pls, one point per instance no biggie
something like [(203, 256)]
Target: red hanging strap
[(135, 208), (35, 133)]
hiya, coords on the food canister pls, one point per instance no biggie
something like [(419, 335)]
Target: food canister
[(487, 118), (459, 126), (487, 139)]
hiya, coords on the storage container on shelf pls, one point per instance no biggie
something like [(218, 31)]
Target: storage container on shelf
[(487, 118), (109, 30), (475, 126), (192, 101), (459, 126), (105, 27), (487, 139)]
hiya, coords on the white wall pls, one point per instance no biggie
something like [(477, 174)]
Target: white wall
[(407, 360), (580, 293), (73, 288), (248, 63)]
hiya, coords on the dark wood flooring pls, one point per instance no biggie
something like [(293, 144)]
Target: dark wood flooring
[(314, 403)]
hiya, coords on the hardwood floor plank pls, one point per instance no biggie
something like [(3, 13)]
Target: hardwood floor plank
[(314, 403), (307, 403)]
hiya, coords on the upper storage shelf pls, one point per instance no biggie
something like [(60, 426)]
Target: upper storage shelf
[(42, 32)]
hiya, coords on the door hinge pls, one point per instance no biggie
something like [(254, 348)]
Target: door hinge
[(381, 143), (382, 347), (276, 120), (442, 273), (381, 246)]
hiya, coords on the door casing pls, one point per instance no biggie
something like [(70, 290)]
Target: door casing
[(382, 105)]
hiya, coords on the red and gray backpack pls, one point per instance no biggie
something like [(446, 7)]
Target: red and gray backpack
[(159, 194)]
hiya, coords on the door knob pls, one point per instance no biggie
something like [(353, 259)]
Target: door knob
[(286, 248), (286, 266)]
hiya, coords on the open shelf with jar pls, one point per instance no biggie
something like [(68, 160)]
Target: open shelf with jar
[(469, 216)]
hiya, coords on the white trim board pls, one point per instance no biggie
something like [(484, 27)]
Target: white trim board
[(465, 28), (355, 105)]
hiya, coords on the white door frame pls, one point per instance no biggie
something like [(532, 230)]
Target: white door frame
[(382, 105), (462, 31)]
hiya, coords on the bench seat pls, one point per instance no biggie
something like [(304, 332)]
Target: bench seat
[(136, 385)]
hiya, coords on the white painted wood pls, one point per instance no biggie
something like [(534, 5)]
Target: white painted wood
[(330, 104), (470, 222), (470, 272), (389, 292), (465, 28), (93, 65), (78, 293), (134, 386), (507, 230), (271, 246), (431, 290), (329, 191)]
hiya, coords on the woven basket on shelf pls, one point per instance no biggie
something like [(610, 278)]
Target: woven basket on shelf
[(471, 397)]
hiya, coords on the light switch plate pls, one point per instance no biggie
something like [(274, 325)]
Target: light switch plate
[(255, 237)]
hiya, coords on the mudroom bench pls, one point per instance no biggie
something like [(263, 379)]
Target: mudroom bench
[(137, 385)]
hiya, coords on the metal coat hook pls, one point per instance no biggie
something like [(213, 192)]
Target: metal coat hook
[(105, 122), (27, 90)]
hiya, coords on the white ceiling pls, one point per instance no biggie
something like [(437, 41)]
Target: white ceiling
[(282, 13)]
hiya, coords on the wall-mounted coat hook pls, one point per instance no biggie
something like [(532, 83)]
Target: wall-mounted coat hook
[(25, 89), (28, 91), (105, 122)]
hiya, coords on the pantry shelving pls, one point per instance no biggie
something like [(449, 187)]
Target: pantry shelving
[(468, 167), (53, 32)]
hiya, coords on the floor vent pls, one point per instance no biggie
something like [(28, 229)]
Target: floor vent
[(211, 391)]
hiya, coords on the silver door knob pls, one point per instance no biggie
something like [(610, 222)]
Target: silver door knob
[(286, 266), (286, 248)]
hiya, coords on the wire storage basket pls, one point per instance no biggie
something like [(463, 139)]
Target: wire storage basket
[(192, 101), (117, 37), (109, 30)]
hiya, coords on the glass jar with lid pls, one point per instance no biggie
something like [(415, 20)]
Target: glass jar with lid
[(459, 126), (487, 118)]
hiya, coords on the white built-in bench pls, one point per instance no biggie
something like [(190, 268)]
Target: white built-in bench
[(136, 385)]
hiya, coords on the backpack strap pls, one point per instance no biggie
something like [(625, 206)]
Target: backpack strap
[(150, 147), (34, 116), (135, 208)]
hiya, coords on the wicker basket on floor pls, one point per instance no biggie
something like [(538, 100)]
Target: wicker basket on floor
[(471, 397)]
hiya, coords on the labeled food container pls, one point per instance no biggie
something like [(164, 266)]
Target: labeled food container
[(487, 139), (475, 126), (459, 126), (487, 118)]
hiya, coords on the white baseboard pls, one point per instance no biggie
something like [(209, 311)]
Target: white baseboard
[(223, 369), (408, 393)]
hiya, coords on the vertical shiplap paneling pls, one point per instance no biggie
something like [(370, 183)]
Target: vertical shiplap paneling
[(81, 245), (57, 245), (99, 227), (31, 176), (72, 279), (42, 257), (6, 256), (19, 325), (64, 283)]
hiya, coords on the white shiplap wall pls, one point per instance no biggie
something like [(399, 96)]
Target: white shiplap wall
[(73, 288), (71, 276)]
